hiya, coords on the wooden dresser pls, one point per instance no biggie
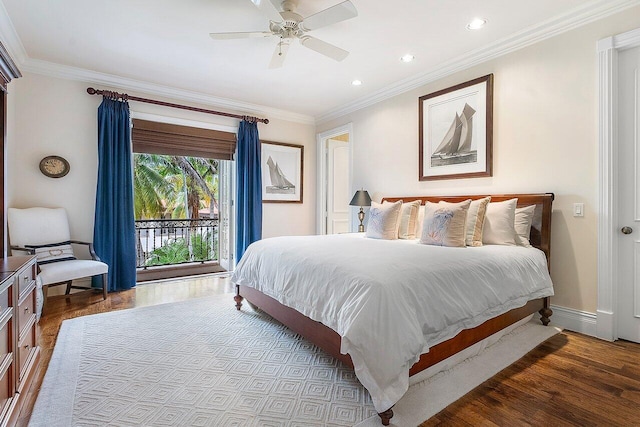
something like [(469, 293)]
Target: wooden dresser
[(19, 351)]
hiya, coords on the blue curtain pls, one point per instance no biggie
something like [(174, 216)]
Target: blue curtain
[(114, 229), (248, 187)]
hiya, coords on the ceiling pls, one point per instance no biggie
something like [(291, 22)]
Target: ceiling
[(166, 44)]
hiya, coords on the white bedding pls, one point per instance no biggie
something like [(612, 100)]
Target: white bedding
[(392, 300)]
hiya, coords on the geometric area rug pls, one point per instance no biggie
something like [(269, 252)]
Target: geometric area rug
[(203, 363)]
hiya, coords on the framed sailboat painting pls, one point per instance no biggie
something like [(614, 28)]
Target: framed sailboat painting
[(282, 172), (456, 131)]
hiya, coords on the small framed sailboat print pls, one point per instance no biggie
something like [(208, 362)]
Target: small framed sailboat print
[(456, 131), (282, 172)]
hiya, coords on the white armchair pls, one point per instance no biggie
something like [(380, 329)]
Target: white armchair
[(44, 232)]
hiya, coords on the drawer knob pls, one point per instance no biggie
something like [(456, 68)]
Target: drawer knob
[(26, 309), (26, 278), (26, 346)]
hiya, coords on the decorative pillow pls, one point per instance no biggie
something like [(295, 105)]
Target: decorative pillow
[(383, 220), (445, 224), (499, 223), (420, 221), (53, 252), (522, 224), (475, 221), (408, 220)]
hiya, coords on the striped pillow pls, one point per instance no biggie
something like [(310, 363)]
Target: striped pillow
[(53, 252), (475, 221)]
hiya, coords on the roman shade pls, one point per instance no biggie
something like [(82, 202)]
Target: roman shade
[(174, 140)]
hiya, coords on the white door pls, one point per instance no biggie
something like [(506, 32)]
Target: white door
[(337, 186), (226, 234), (629, 195)]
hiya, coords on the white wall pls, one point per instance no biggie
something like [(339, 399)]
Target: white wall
[(48, 115), (545, 140)]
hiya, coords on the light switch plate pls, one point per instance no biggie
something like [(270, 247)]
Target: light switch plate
[(578, 209)]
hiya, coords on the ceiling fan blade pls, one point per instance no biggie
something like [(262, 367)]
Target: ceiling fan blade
[(268, 9), (241, 35), (324, 48), (333, 15), (279, 55)]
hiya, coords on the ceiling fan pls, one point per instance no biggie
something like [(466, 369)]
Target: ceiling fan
[(289, 25)]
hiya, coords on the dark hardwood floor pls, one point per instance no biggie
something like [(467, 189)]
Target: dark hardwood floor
[(570, 380)]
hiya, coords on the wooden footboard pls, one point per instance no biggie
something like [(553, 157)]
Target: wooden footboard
[(329, 340)]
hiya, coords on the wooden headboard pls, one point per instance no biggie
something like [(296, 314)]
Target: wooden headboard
[(540, 236)]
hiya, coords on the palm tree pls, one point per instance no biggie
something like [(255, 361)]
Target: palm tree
[(201, 182), (149, 186), (175, 185)]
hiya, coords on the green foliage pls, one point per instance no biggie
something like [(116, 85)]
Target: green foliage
[(176, 251), (202, 247), (176, 185), (173, 252)]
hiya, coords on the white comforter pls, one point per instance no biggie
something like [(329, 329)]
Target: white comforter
[(391, 300)]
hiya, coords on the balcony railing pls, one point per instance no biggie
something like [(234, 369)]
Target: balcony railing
[(176, 241)]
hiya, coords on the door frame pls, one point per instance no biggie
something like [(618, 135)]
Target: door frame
[(182, 271), (608, 237), (321, 183)]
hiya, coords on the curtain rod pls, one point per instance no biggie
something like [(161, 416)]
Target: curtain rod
[(125, 97)]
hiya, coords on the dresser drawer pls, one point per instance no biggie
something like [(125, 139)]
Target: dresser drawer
[(26, 277), (26, 346), (6, 388), (6, 345), (25, 311), (5, 299)]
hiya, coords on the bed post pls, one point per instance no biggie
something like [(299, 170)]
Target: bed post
[(545, 312), (386, 416), (238, 298)]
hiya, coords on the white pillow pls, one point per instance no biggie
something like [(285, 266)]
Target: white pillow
[(475, 221), (445, 224), (408, 220), (55, 252), (499, 223), (383, 220), (522, 224)]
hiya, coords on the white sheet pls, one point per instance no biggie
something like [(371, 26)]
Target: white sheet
[(391, 300)]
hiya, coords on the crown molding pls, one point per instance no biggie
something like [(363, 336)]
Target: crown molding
[(582, 15), (126, 84), (9, 37)]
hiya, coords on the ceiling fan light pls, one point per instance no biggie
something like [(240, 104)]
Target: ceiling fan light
[(476, 23), (356, 82), (407, 58)]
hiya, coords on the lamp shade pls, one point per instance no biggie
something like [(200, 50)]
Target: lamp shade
[(361, 198)]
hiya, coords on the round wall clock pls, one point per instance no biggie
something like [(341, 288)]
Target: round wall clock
[(54, 166)]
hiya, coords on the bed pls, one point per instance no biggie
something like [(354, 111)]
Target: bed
[(378, 295)]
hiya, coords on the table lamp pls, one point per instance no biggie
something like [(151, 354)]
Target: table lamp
[(361, 198)]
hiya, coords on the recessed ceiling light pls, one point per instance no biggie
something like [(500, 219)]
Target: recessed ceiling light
[(356, 82), (407, 58), (476, 24)]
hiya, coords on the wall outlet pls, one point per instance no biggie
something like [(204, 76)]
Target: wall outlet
[(578, 209)]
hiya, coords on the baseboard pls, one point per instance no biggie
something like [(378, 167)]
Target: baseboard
[(574, 320)]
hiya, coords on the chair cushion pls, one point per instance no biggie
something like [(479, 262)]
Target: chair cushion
[(69, 270)]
